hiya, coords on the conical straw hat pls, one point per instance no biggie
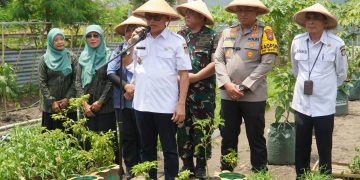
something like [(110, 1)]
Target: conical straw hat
[(157, 7), (262, 9), (299, 17), (120, 29), (198, 6)]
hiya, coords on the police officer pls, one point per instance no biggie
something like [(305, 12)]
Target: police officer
[(244, 56), (319, 65), (124, 88), (159, 99), (200, 103)]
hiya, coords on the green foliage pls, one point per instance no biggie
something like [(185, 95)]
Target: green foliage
[(308, 175), (349, 21), (231, 158), (142, 169), (283, 82), (138, 3), (261, 175), (206, 127), (8, 87), (184, 175), (34, 153), (222, 17), (355, 163), (58, 12)]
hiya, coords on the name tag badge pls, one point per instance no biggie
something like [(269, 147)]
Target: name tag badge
[(308, 87)]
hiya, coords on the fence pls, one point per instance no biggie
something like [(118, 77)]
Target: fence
[(25, 62)]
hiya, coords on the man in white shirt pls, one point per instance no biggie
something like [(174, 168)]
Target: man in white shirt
[(320, 66), (159, 99)]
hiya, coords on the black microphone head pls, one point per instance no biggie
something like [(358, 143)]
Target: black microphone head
[(147, 29)]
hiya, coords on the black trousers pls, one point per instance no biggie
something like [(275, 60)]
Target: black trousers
[(150, 126), (253, 114), (51, 124), (130, 138), (323, 126)]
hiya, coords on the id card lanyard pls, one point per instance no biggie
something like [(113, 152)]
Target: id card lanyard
[(322, 44)]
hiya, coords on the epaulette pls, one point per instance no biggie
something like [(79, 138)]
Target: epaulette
[(336, 38), (178, 36), (299, 36)]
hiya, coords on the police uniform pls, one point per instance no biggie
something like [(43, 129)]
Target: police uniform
[(316, 110), (157, 62), (200, 102), (244, 57)]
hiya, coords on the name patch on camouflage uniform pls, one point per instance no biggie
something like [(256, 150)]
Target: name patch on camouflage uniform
[(343, 51), (269, 43)]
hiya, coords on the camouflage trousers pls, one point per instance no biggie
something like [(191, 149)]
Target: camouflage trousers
[(191, 135)]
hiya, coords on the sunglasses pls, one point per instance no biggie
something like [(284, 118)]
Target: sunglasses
[(155, 17), (95, 36)]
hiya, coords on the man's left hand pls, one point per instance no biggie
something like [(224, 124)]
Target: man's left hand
[(96, 106)]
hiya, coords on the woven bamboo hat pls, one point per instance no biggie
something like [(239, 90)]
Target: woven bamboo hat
[(232, 7), (299, 17), (120, 29), (157, 7), (198, 6)]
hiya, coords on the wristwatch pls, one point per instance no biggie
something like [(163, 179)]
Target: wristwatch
[(244, 88)]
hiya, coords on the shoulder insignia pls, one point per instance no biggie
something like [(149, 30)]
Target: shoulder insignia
[(343, 51), (268, 43), (186, 51)]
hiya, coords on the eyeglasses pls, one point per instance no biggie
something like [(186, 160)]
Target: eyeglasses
[(155, 17), (95, 36)]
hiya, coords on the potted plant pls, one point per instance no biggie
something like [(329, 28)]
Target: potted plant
[(281, 134)]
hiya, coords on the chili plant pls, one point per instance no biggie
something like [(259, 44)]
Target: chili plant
[(142, 169), (355, 163)]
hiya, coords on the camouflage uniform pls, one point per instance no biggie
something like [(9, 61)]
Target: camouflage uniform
[(200, 102)]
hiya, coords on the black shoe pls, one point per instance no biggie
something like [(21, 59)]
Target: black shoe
[(200, 172), (188, 165), (259, 169)]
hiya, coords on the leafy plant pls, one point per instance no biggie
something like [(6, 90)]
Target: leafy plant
[(355, 163), (283, 81), (34, 153), (206, 127), (142, 169), (8, 87), (231, 158), (184, 175), (261, 175), (222, 18), (308, 175)]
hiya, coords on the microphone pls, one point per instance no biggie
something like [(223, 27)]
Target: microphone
[(140, 36)]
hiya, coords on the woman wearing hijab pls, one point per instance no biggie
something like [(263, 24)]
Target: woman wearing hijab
[(56, 67), (99, 109)]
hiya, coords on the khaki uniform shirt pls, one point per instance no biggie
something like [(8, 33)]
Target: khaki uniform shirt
[(245, 56)]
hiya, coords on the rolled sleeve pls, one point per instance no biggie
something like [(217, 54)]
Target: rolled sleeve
[(114, 65)]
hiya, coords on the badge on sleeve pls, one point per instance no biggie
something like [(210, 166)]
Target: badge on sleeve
[(343, 51), (268, 43), (185, 48)]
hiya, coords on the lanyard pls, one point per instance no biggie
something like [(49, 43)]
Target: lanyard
[(322, 44)]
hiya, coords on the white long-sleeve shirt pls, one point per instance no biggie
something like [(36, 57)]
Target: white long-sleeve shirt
[(328, 73)]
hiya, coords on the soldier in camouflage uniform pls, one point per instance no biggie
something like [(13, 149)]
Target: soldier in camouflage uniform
[(200, 102)]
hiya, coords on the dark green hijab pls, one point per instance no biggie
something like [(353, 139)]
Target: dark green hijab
[(57, 60), (92, 58)]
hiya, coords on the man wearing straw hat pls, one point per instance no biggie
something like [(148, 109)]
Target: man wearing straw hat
[(159, 99), (200, 104), (320, 66), (244, 56), (124, 88)]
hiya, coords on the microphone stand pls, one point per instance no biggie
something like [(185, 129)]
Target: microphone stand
[(119, 122)]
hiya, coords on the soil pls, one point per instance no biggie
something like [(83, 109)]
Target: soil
[(346, 136)]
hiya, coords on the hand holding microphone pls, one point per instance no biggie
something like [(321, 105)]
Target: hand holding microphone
[(139, 34)]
